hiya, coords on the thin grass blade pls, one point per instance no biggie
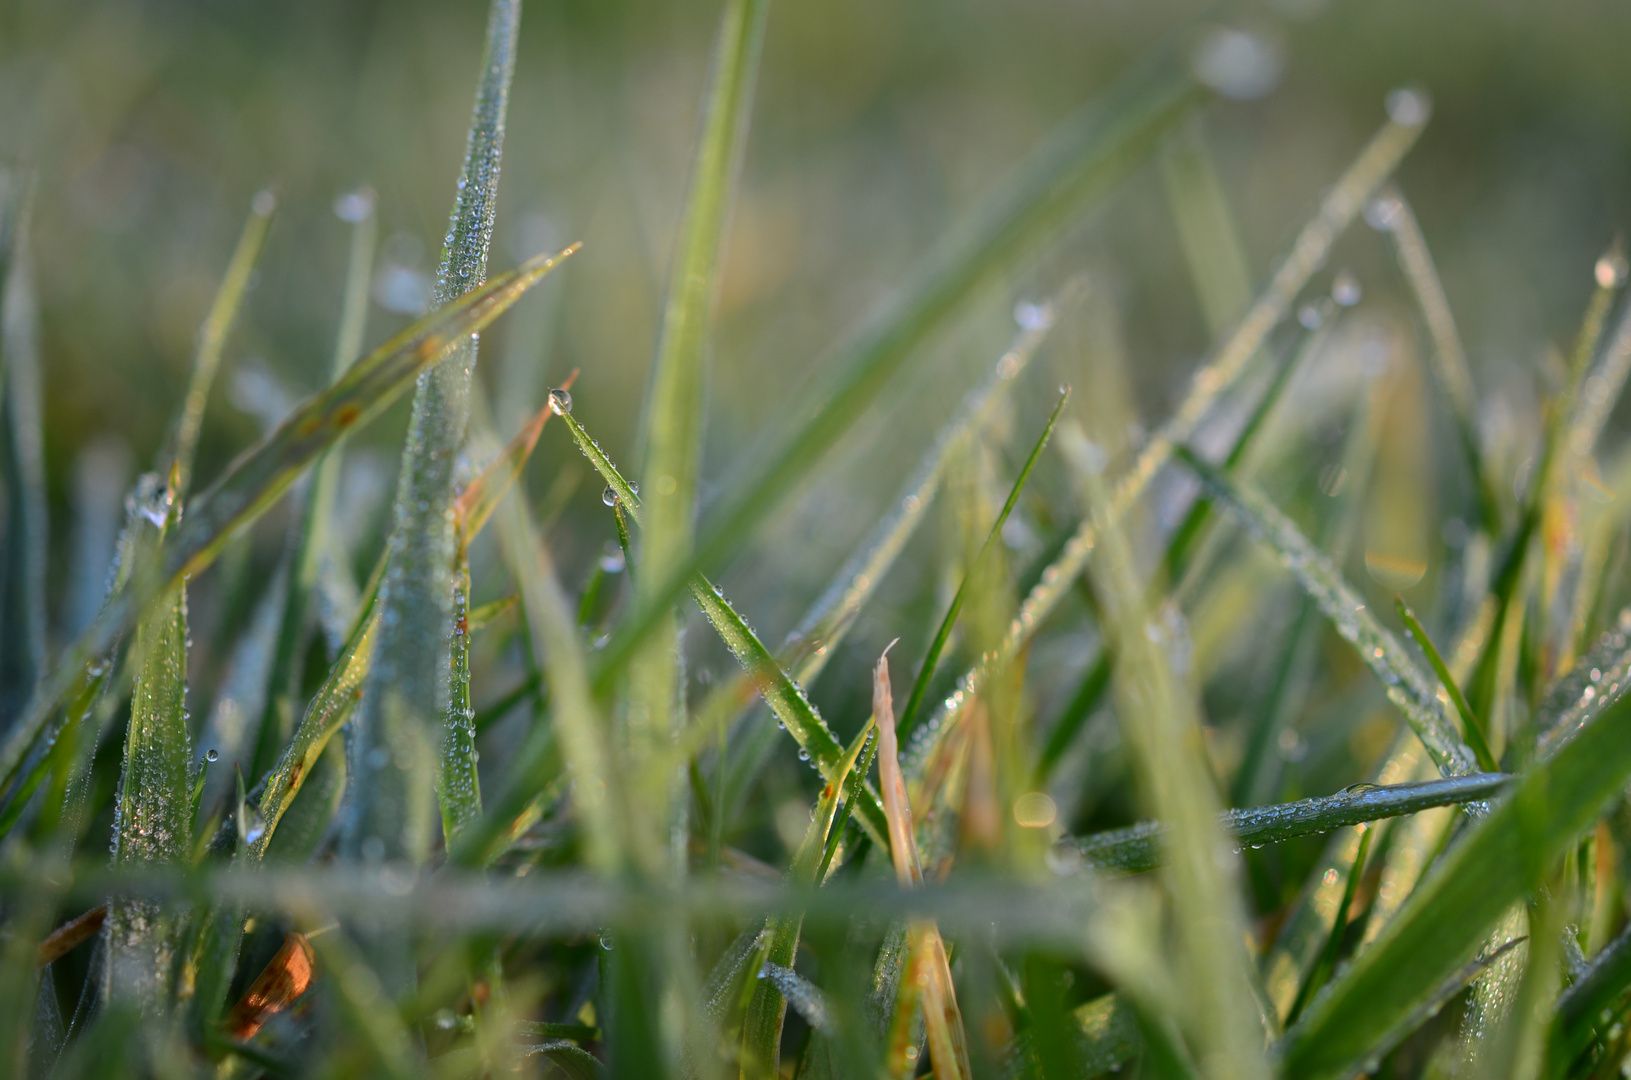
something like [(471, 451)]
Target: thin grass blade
[(1470, 726)]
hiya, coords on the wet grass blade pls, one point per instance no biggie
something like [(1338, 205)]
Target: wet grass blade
[(784, 696), (1308, 254), (405, 703), (1406, 686), (914, 703), (1339, 926), (1139, 847), (1500, 859), (1470, 726), (23, 631), (1075, 169), (312, 539), (212, 337), (1603, 388), (261, 475)]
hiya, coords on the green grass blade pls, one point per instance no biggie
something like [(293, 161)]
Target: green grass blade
[(785, 696), (22, 460), (1075, 169), (914, 703), (1501, 858), (1206, 228), (313, 538), (1161, 729), (213, 334), (1139, 847), (1386, 657), (1308, 254), (1470, 726), (1339, 926), (405, 703), (676, 407), (1603, 389), (458, 781), (1082, 704), (261, 475)]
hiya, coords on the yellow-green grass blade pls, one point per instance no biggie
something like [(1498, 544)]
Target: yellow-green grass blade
[(313, 538), (676, 406), (1308, 253), (404, 710), (1077, 168), (1501, 859), (261, 475), (212, 337), (1138, 847), (1406, 686), (781, 692), (914, 703), (1470, 726)]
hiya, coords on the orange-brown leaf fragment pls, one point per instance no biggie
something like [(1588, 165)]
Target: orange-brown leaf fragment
[(66, 937), (280, 985)]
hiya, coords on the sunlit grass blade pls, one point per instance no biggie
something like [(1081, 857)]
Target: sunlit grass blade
[(1075, 169), (23, 634), (1500, 859), (1206, 228), (261, 475), (404, 707), (1307, 254), (1392, 214), (1406, 686), (1159, 725), (212, 337), (1601, 990), (1339, 926), (914, 703), (1139, 847), (784, 696), (927, 971), (313, 538), (1602, 389), (1470, 727)]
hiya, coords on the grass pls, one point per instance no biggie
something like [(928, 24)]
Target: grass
[(1193, 807)]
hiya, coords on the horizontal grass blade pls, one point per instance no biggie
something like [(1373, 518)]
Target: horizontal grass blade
[(1380, 651), (1501, 858), (1140, 847)]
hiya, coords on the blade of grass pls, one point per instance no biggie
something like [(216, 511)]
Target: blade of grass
[(1307, 254), (914, 703), (22, 456), (1139, 847), (785, 696), (676, 407), (312, 539), (212, 337), (1160, 728), (1075, 169), (405, 701), (1603, 388), (1206, 228), (1470, 727), (1499, 860), (1339, 926), (261, 475), (1381, 652)]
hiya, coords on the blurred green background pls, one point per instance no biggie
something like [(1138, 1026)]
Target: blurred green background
[(150, 125)]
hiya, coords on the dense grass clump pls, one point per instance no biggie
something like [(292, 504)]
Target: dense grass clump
[(1264, 741)]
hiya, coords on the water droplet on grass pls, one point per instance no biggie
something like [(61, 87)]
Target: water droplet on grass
[(560, 401), (1408, 106), (1345, 289), (212, 755), (609, 496)]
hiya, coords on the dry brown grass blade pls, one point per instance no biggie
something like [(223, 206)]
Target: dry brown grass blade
[(478, 501), (280, 984), (67, 937), (928, 972)]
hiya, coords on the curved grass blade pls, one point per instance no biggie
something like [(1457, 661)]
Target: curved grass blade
[(481, 497), (405, 702), (1392, 214), (1501, 858), (785, 697), (1470, 726), (312, 540), (1602, 389), (1139, 847), (1406, 686), (22, 460), (212, 336), (1076, 168), (914, 703), (261, 475), (1308, 253), (1602, 990)]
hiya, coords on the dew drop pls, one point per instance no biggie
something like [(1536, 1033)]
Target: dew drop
[(1610, 271), (212, 755), (1031, 316), (1237, 64), (560, 401), (1408, 106), (609, 496), (1345, 289)]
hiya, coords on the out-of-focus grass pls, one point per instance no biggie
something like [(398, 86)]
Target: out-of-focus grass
[(1157, 632)]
